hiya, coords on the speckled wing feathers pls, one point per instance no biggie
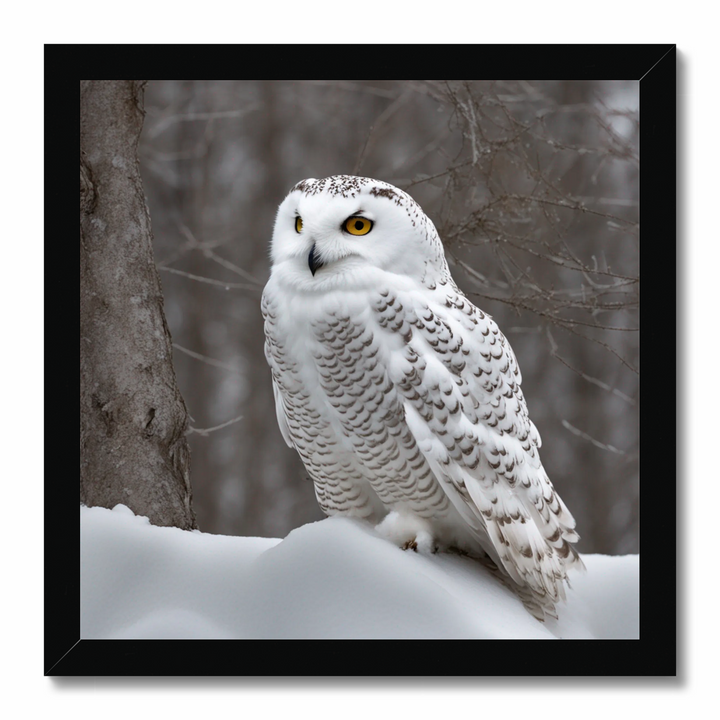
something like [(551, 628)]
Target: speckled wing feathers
[(466, 409)]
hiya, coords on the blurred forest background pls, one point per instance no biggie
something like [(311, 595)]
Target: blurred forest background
[(533, 187)]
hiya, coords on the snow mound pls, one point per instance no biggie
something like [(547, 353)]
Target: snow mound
[(337, 578)]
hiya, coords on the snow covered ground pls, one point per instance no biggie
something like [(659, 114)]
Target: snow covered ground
[(336, 578)]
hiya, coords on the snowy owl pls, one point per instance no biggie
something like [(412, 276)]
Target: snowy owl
[(402, 398)]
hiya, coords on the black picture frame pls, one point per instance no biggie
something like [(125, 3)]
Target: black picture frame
[(654, 654)]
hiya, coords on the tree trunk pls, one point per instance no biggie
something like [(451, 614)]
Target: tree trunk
[(133, 448)]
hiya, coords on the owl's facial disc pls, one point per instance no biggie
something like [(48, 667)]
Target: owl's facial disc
[(314, 260)]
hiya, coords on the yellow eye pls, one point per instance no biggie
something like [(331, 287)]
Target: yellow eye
[(358, 225), (298, 224)]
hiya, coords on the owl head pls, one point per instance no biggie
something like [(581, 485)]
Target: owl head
[(346, 231)]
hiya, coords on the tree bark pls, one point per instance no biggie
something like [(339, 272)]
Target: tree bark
[(133, 420)]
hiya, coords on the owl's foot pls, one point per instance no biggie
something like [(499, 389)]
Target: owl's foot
[(408, 532), (423, 543)]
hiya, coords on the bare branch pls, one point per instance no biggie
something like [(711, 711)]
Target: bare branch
[(207, 360), (211, 255), (210, 281), (207, 251), (426, 178), (596, 443), (585, 376), (166, 122), (384, 116), (206, 431), (570, 204)]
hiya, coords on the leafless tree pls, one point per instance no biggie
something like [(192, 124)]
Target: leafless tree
[(133, 420)]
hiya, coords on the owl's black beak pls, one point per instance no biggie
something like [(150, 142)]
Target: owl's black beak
[(314, 261)]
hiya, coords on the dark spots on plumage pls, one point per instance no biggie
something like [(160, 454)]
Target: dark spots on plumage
[(384, 192), (555, 536)]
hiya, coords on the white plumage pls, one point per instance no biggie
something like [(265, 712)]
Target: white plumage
[(402, 398)]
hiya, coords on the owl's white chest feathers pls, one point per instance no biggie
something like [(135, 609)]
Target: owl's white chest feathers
[(339, 360)]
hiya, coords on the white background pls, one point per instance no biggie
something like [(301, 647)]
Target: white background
[(25, 691)]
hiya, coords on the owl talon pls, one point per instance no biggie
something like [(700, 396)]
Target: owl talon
[(410, 545)]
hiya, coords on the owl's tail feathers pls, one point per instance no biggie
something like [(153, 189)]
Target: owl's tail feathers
[(534, 565), (544, 589)]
